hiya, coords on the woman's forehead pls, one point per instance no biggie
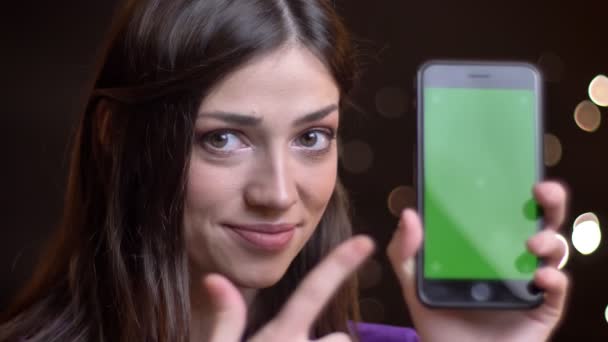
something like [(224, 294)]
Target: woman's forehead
[(290, 79)]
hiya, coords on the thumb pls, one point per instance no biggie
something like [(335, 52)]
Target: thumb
[(402, 251), (228, 310), (406, 240)]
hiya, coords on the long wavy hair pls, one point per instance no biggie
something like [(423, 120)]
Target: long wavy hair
[(117, 268)]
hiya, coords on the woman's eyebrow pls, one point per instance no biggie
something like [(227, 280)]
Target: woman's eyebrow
[(316, 115), (248, 120), (233, 118)]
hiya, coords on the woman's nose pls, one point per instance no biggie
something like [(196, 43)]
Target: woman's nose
[(272, 185)]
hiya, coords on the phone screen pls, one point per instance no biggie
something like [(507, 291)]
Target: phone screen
[(480, 164)]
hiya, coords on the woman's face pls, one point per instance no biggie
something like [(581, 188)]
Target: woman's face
[(263, 167)]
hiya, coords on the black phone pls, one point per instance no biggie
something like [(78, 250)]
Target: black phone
[(479, 154)]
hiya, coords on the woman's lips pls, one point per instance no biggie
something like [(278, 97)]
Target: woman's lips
[(264, 236)]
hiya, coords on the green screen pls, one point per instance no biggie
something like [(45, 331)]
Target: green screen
[(479, 169)]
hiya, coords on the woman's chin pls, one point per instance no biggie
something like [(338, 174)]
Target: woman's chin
[(257, 280)]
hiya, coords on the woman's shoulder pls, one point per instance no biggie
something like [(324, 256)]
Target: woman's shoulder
[(374, 332)]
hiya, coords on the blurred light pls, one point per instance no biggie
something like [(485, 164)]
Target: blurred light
[(552, 66), (598, 90), (370, 274), (586, 233), (552, 149), (564, 261), (371, 310), (587, 217), (400, 198), (606, 313), (357, 156), (391, 102), (587, 116)]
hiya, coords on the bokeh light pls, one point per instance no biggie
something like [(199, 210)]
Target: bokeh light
[(552, 149), (598, 90), (587, 116), (586, 233), (357, 156), (589, 216), (606, 313), (564, 261), (400, 198), (552, 66), (391, 102)]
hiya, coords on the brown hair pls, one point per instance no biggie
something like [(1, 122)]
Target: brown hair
[(117, 268)]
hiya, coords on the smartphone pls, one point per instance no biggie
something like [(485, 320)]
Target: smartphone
[(479, 155)]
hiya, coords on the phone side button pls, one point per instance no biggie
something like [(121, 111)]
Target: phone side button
[(481, 292)]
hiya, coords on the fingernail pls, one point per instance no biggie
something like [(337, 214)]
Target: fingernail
[(409, 266), (532, 243), (364, 245), (404, 213)]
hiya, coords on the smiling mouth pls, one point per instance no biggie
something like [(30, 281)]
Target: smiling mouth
[(271, 238)]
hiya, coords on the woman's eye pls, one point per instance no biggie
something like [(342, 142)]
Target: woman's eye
[(222, 141), (316, 140)]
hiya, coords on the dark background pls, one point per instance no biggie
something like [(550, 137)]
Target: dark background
[(47, 58)]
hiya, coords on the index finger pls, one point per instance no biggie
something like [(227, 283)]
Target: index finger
[(320, 284)]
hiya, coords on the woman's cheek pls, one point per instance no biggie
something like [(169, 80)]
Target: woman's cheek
[(319, 184)]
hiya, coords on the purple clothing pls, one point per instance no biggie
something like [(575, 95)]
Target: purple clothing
[(372, 332)]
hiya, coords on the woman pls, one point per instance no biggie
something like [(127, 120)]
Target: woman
[(203, 200)]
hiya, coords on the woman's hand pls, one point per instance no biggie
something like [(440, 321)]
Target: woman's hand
[(483, 325), (294, 321)]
